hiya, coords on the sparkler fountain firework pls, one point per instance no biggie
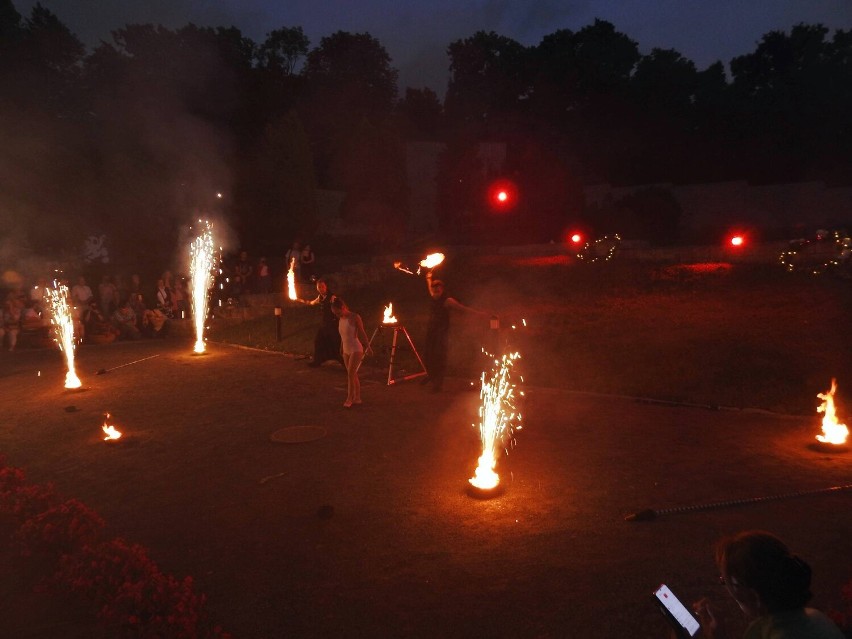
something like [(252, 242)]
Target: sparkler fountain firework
[(56, 299), (498, 419), (201, 267)]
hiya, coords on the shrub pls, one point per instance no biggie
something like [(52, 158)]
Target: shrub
[(60, 530), (127, 590), (130, 592), (19, 500)]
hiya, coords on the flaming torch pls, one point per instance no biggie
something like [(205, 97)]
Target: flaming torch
[(833, 432), (202, 263), (56, 299), (111, 433), (291, 280), (388, 317), (498, 419), (429, 262)]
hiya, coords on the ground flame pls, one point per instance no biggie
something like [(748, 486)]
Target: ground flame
[(202, 263), (291, 280), (388, 317), (110, 430), (833, 432), (498, 419), (62, 319)]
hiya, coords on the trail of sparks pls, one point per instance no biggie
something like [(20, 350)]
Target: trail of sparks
[(62, 319), (201, 269), (498, 419)]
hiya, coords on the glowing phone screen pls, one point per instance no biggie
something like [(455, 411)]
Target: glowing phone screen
[(678, 610)]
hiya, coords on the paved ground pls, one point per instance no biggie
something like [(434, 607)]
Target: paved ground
[(368, 531)]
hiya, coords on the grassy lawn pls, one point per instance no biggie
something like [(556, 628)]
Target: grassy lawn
[(730, 335)]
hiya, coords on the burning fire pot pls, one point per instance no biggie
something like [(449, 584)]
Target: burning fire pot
[(834, 434), (478, 492)]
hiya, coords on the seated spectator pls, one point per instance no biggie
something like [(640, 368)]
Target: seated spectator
[(108, 294), (31, 319), (264, 277), (180, 303), (236, 292), (10, 321), (164, 298), (95, 326), (137, 303), (135, 287), (81, 293), (124, 319), (154, 323), (771, 586), (245, 270), (308, 262), (37, 292)]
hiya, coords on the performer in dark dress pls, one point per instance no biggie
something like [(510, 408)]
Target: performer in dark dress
[(327, 340), (438, 331)]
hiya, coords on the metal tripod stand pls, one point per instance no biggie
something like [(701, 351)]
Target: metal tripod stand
[(397, 330)]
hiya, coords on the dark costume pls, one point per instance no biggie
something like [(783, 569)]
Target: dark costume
[(437, 341), (327, 340)]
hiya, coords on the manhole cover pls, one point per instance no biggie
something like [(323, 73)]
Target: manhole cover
[(298, 434)]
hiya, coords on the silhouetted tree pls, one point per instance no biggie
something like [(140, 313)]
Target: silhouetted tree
[(374, 178), (276, 187), (422, 114), (487, 78), (349, 77), (793, 93), (283, 49)]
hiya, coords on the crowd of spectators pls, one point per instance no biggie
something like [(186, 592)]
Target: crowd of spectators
[(119, 307), (241, 276)]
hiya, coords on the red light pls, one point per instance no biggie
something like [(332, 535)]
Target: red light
[(576, 238), (737, 240), (502, 195)]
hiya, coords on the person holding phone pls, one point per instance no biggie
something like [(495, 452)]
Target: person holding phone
[(771, 586)]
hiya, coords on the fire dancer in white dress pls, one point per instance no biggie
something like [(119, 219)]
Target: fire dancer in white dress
[(354, 342)]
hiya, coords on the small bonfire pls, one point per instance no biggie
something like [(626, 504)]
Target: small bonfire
[(833, 432)]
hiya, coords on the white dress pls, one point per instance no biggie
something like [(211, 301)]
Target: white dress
[(349, 335)]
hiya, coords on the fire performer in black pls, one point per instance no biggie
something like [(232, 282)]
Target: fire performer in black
[(327, 340), (438, 329)]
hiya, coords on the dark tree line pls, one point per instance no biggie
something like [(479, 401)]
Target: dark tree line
[(137, 136)]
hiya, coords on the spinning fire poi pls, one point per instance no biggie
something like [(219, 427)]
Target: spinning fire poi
[(833, 432), (202, 263), (429, 262), (498, 419), (56, 299)]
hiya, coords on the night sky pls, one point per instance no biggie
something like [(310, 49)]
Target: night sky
[(416, 32)]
